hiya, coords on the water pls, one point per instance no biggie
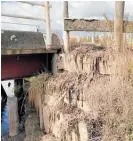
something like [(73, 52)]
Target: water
[(4, 118), (4, 110)]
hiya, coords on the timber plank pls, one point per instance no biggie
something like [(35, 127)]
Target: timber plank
[(94, 25)]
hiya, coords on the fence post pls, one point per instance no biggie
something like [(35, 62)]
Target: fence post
[(66, 33), (118, 25), (48, 28)]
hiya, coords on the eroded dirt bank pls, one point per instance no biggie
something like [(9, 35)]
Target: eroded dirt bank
[(90, 100)]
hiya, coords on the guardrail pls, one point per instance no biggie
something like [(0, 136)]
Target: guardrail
[(47, 7)]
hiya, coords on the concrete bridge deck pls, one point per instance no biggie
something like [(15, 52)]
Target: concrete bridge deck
[(21, 42), (24, 54)]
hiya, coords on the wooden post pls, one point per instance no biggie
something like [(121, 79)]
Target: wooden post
[(48, 28), (118, 25), (66, 33), (12, 104)]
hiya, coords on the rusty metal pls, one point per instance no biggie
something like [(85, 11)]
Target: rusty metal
[(13, 67)]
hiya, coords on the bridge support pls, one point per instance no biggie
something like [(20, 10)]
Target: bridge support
[(18, 84), (54, 64), (19, 93), (12, 104)]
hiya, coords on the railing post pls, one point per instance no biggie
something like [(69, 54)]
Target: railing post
[(118, 25), (48, 28), (66, 33)]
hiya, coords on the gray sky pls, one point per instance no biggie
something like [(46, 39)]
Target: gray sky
[(79, 9)]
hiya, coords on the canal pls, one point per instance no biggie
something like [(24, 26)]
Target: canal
[(9, 90)]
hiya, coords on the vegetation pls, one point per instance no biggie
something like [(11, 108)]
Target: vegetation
[(102, 80), (108, 97)]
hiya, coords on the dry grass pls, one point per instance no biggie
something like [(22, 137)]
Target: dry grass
[(108, 96), (36, 90), (77, 42), (105, 40)]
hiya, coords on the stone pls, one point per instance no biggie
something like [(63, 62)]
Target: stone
[(46, 118), (50, 99), (56, 130), (83, 131), (32, 128), (32, 124), (12, 104), (49, 137)]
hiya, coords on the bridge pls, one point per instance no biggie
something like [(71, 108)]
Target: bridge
[(29, 53), (26, 53)]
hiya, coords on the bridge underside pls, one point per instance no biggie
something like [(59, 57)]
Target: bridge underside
[(20, 66)]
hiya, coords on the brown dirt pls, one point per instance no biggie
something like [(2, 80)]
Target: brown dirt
[(108, 96), (19, 137)]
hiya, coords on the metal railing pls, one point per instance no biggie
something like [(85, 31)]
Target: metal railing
[(47, 7)]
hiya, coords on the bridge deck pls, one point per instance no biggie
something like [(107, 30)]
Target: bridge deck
[(22, 42), (18, 51), (24, 54), (22, 39)]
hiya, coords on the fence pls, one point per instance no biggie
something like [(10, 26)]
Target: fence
[(47, 7), (118, 26)]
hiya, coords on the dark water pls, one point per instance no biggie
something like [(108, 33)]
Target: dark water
[(4, 115), (4, 118)]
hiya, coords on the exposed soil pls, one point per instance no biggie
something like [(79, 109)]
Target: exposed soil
[(19, 137)]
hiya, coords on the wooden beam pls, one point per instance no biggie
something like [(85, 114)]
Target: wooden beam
[(66, 33), (22, 17), (94, 25), (118, 25)]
